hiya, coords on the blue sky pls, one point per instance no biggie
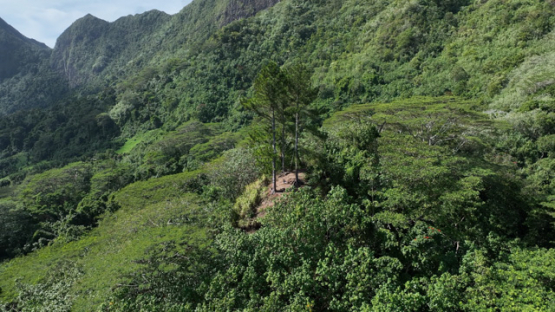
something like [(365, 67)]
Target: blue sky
[(45, 20)]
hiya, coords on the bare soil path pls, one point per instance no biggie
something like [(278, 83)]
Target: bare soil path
[(284, 181)]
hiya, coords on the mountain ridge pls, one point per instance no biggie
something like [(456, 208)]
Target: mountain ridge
[(90, 44), (7, 27), (18, 51), (93, 53)]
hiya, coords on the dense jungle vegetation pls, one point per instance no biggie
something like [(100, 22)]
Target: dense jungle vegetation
[(135, 154)]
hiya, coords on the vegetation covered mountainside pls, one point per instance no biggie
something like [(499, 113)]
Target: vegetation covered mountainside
[(25, 78), (95, 51), (18, 51), (136, 157)]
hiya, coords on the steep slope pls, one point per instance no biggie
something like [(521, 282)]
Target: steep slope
[(91, 45), (95, 51), (26, 80), (18, 51)]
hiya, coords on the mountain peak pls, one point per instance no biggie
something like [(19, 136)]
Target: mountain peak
[(91, 17), (88, 20), (91, 44)]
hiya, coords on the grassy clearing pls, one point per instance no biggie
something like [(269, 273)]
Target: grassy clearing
[(132, 142)]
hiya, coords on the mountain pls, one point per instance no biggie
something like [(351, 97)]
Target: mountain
[(18, 51), (94, 53), (26, 79), (134, 160), (93, 50), (90, 45)]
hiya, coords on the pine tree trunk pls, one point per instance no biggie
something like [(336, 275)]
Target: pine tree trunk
[(275, 152), (283, 149), (297, 145)]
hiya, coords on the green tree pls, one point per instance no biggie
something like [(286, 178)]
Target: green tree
[(16, 229), (300, 94), (267, 100)]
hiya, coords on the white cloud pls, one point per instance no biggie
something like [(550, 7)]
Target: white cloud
[(46, 20)]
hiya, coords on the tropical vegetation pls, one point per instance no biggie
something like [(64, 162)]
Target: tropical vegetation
[(135, 158)]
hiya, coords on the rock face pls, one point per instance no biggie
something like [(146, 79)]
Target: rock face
[(18, 51)]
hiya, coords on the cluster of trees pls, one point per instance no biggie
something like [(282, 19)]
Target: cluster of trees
[(77, 128), (391, 220), (58, 205), (282, 96)]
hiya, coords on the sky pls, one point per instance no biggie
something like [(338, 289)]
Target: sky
[(45, 20)]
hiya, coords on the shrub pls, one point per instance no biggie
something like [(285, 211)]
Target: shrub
[(245, 205), (237, 170)]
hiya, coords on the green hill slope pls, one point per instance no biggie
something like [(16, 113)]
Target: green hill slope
[(429, 154), (92, 51)]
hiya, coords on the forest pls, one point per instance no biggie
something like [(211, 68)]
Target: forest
[(140, 173)]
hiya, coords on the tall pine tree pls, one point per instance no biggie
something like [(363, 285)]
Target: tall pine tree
[(267, 102)]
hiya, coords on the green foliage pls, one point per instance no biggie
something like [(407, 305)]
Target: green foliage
[(16, 227), (57, 191), (161, 153), (347, 158), (51, 294), (521, 282), (246, 204), (72, 129), (103, 183), (152, 213), (236, 169), (191, 267), (135, 140), (414, 202)]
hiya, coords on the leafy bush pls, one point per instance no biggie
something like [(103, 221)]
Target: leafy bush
[(50, 294), (57, 191), (16, 229), (236, 169)]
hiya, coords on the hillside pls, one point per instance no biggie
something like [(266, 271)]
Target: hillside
[(93, 54), (94, 51), (17, 51), (26, 80), (134, 157), (112, 44)]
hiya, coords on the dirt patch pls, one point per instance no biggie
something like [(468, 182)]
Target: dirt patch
[(284, 181)]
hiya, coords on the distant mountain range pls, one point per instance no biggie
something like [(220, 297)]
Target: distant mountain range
[(96, 53)]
